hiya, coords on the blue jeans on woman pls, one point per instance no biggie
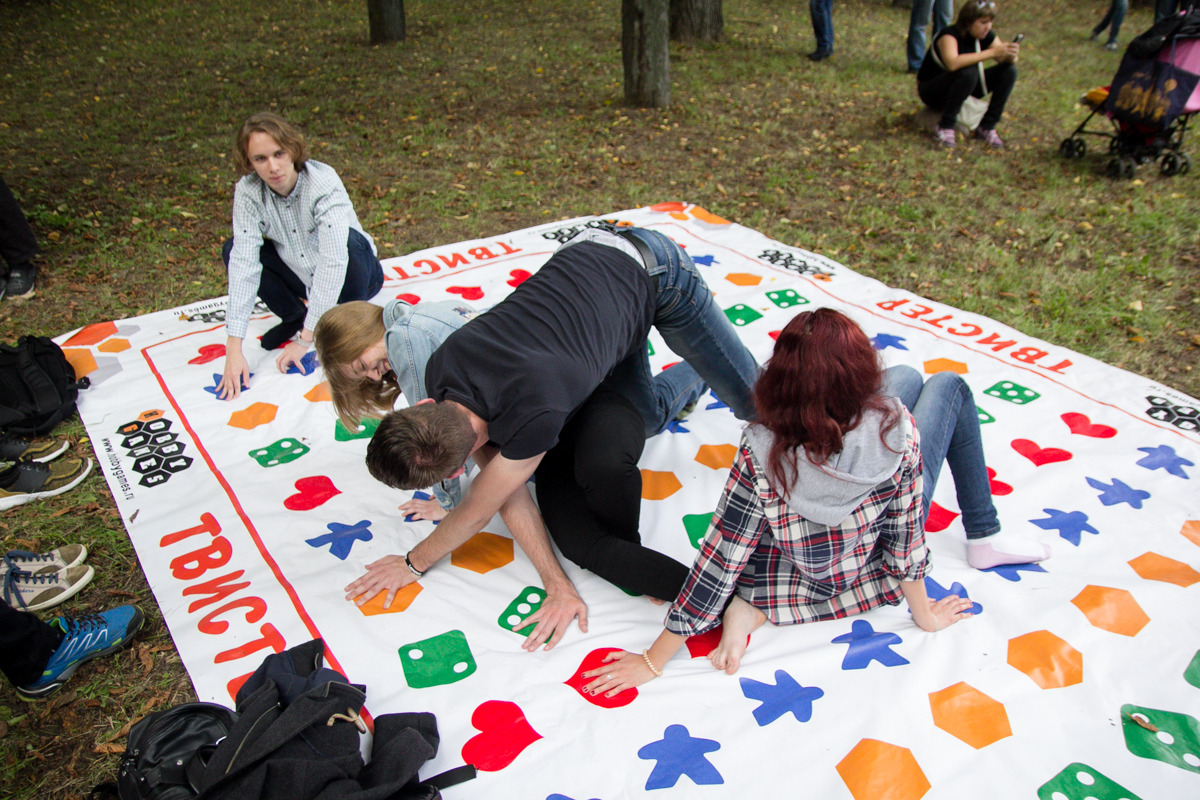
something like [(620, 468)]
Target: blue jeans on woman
[(696, 329), (946, 417), (1115, 16)]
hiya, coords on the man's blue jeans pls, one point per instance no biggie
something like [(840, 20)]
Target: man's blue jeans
[(1115, 16), (694, 327), (942, 12), (822, 22), (946, 417)]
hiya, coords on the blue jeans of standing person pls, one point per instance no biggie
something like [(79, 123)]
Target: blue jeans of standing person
[(822, 22), (284, 293), (696, 329), (942, 12), (1115, 16), (946, 417)]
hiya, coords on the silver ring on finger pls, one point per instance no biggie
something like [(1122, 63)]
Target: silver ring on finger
[(608, 676)]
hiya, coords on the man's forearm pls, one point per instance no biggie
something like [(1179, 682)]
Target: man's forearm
[(524, 521)]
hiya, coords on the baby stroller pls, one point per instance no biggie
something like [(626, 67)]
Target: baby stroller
[(1151, 101)]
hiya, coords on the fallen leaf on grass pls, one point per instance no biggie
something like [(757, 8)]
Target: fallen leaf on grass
[(109, 749), (146, 659)]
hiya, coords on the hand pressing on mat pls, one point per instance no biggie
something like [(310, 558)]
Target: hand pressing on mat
[(562, 605), (429, 509), (389, 574), (237, 371)]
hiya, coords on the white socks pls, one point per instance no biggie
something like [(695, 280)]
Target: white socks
[(1002, 548)]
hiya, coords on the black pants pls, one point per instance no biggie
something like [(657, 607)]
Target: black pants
[(26, 644), (589, 489), (284, 293), (17, 242), (947, 91)]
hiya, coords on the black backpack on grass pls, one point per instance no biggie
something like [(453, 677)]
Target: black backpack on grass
[(37, 386)]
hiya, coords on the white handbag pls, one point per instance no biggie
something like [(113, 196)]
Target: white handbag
[(973, 108)]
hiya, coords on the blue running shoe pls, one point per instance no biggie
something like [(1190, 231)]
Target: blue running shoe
[(84, 638)]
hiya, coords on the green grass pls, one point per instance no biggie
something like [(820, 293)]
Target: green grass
[(115, 124)]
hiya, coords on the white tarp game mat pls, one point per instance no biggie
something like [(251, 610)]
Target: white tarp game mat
[(1076, 678)]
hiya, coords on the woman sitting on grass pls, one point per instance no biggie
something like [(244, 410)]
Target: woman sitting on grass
[(953, 71), (823, 513)]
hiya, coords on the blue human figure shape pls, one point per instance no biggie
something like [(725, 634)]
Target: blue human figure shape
[(341, 538), (782, 697), (866, 646), (1118, 492), (1011, 572), (679, 753), (882, 341), (1164, 457), (1071, 525), (936, 592), (309, 362)]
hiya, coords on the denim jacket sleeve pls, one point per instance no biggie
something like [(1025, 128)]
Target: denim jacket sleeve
[(412, 334)]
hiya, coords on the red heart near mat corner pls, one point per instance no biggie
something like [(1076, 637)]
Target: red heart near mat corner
[(466, 292), (1040, 456), (311, 493), (1081, 425), (504, 734)]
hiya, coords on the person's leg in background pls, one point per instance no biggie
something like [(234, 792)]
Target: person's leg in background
[(822, 22), (917, 23), (18, 246)]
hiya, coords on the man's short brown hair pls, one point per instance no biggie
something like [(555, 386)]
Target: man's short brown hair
[(288, 135), (419, 446)]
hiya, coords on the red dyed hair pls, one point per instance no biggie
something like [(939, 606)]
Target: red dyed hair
[(821, 379)]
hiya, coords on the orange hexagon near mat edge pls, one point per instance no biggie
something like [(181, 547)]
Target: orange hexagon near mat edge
[(1112, 610), (253, 415), (483, 553), (876, 770), (717, 456), (82, 361), (743, 279), (114, 346), (1191, 531), (1155, 567), (658, 485), (936, 365), (92, 334), (403, 599), (969, 715), (1046, 659)]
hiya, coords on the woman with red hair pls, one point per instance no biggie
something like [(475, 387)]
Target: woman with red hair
[(823, 513)]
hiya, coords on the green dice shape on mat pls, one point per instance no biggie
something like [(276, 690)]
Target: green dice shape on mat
[(984, 417), (649, 347), (366, 429), (1192, 673), (786, 298), (742, 314), (1079, 781), (696, 526), (280, 452), (437, 661), (1164, 736), (1012, 392), (526, 602)]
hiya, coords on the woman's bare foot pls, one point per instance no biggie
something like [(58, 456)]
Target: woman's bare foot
[(655, 600), (739, 621)]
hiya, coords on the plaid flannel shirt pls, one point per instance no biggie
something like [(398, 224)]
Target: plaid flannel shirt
[(796, 570)]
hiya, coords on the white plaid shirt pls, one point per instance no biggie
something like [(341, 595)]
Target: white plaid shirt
[(309, 229)]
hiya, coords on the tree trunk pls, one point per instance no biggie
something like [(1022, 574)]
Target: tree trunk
[(696, 21), (386, 18), (644, 31)]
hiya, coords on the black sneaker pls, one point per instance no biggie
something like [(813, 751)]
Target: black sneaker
[(20, 281), (15, 448)]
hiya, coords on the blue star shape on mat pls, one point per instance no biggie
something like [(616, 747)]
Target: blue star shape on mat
[(1011, 572), (707, 261), (1163, 457), (419, 496), (309, 362), (866, 646), (1118, 492), (217, 382), (1071, 525), (883, 341), (341, 538), (781, 697), (675, 426), (716, 401), (937, 592), (679, 753)]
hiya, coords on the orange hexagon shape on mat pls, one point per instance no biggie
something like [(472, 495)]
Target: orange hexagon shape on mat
[(483, 553), (1154, 567), (936, 365), (968, 714), (403, 599), (1112, 610), (92, 334), (876, 770), (319, 393), (716, 456), (1049, 662), (659, 485), (151, 414), (115, 346), (253, 415), (1191, 530), (704, 215), (743, 279), (82, 361)]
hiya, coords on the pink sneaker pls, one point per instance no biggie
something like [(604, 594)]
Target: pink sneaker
[(990, 136), (944, 136)]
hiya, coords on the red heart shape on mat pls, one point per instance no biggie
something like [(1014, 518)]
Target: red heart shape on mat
[(312, 492), (774, 334), (999, 488), (1040, 455), (411, 299), (466, 292), (595, 660), (1080, 424), (210, 352), (504, 733), (939, 518), (517, 277)]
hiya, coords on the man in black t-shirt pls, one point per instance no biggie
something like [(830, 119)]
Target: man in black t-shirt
[(502, 387)]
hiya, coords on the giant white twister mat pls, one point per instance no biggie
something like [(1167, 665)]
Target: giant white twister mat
[(1077, 678)]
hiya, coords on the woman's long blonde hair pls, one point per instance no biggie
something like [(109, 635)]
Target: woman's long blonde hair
[(344, 333)]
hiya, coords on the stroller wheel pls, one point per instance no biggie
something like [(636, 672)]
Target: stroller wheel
[(1079, 148), (1067, 148), (1185, 164), (1171, 164)]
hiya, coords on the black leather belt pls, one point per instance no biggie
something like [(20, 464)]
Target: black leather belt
[(648, 257)]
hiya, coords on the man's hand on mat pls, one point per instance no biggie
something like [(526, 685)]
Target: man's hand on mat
[(554, 617), (389, 574), (424, 509), (293, 353), (237, 374)]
